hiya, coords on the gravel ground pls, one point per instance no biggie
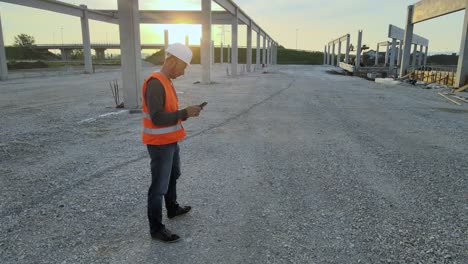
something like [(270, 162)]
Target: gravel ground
[(292, 166)]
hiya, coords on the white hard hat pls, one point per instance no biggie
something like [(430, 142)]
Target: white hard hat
[(180, 51)]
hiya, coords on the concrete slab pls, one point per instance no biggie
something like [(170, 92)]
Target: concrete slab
[(295, 165)]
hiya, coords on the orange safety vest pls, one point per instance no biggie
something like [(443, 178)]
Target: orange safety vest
[(161, 135)]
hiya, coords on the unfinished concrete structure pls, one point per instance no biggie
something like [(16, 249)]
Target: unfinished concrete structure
[(332, 61), (428, 9), (396, 33), (129, 18)]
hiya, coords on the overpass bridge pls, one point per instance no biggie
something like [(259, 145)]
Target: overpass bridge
[(100, 48)]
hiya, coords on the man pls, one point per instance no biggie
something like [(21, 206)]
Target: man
[(162, 129)]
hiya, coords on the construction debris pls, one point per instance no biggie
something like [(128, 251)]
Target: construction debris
[(461, 89), (451, 100)]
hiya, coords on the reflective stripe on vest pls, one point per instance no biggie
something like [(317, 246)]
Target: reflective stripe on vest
[(159, 131), (146, 115)]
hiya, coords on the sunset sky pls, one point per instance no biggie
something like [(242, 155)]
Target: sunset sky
[(314, 21)]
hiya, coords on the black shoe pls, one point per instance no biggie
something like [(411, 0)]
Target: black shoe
[(179, 210), (165, 235)]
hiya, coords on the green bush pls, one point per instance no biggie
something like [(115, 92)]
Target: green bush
[(13, 65), (285, 56)]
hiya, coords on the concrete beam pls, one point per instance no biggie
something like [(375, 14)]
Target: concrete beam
[(398, 33), (232, 8), (129, 29), (206, 42), (342, 38), (176, 16), (88, 62), (254, 27), (63, 8), (407, 41), (427, 9), (3, 59)]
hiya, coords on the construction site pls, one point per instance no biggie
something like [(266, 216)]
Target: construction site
[(332, 163)]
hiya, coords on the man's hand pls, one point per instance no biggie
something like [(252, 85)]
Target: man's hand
[(193, 110)]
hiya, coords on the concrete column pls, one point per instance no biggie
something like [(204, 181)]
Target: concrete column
[(249, 49), (420, 55), (415, 50), (400, 52), (206, 42), (276, 54), (339, 53), (186, 40), (166, 39), (462, 68), (392, 56), (221, 54), (264, 50), (325, 55), (377, 55), (3, 59), (212, 52), (88, 62), (333, 55), (269, 52), (234, 53), (257, 54), (129, 29), (63, 52), (328, 54), (100, 53), (425, 56), (358, 53), (347, 49), (407, 41), (386, 54)]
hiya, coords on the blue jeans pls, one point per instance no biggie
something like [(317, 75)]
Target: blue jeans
[(165, 170)]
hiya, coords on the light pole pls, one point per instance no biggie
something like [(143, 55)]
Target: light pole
[(61, 30), (296, 37)]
